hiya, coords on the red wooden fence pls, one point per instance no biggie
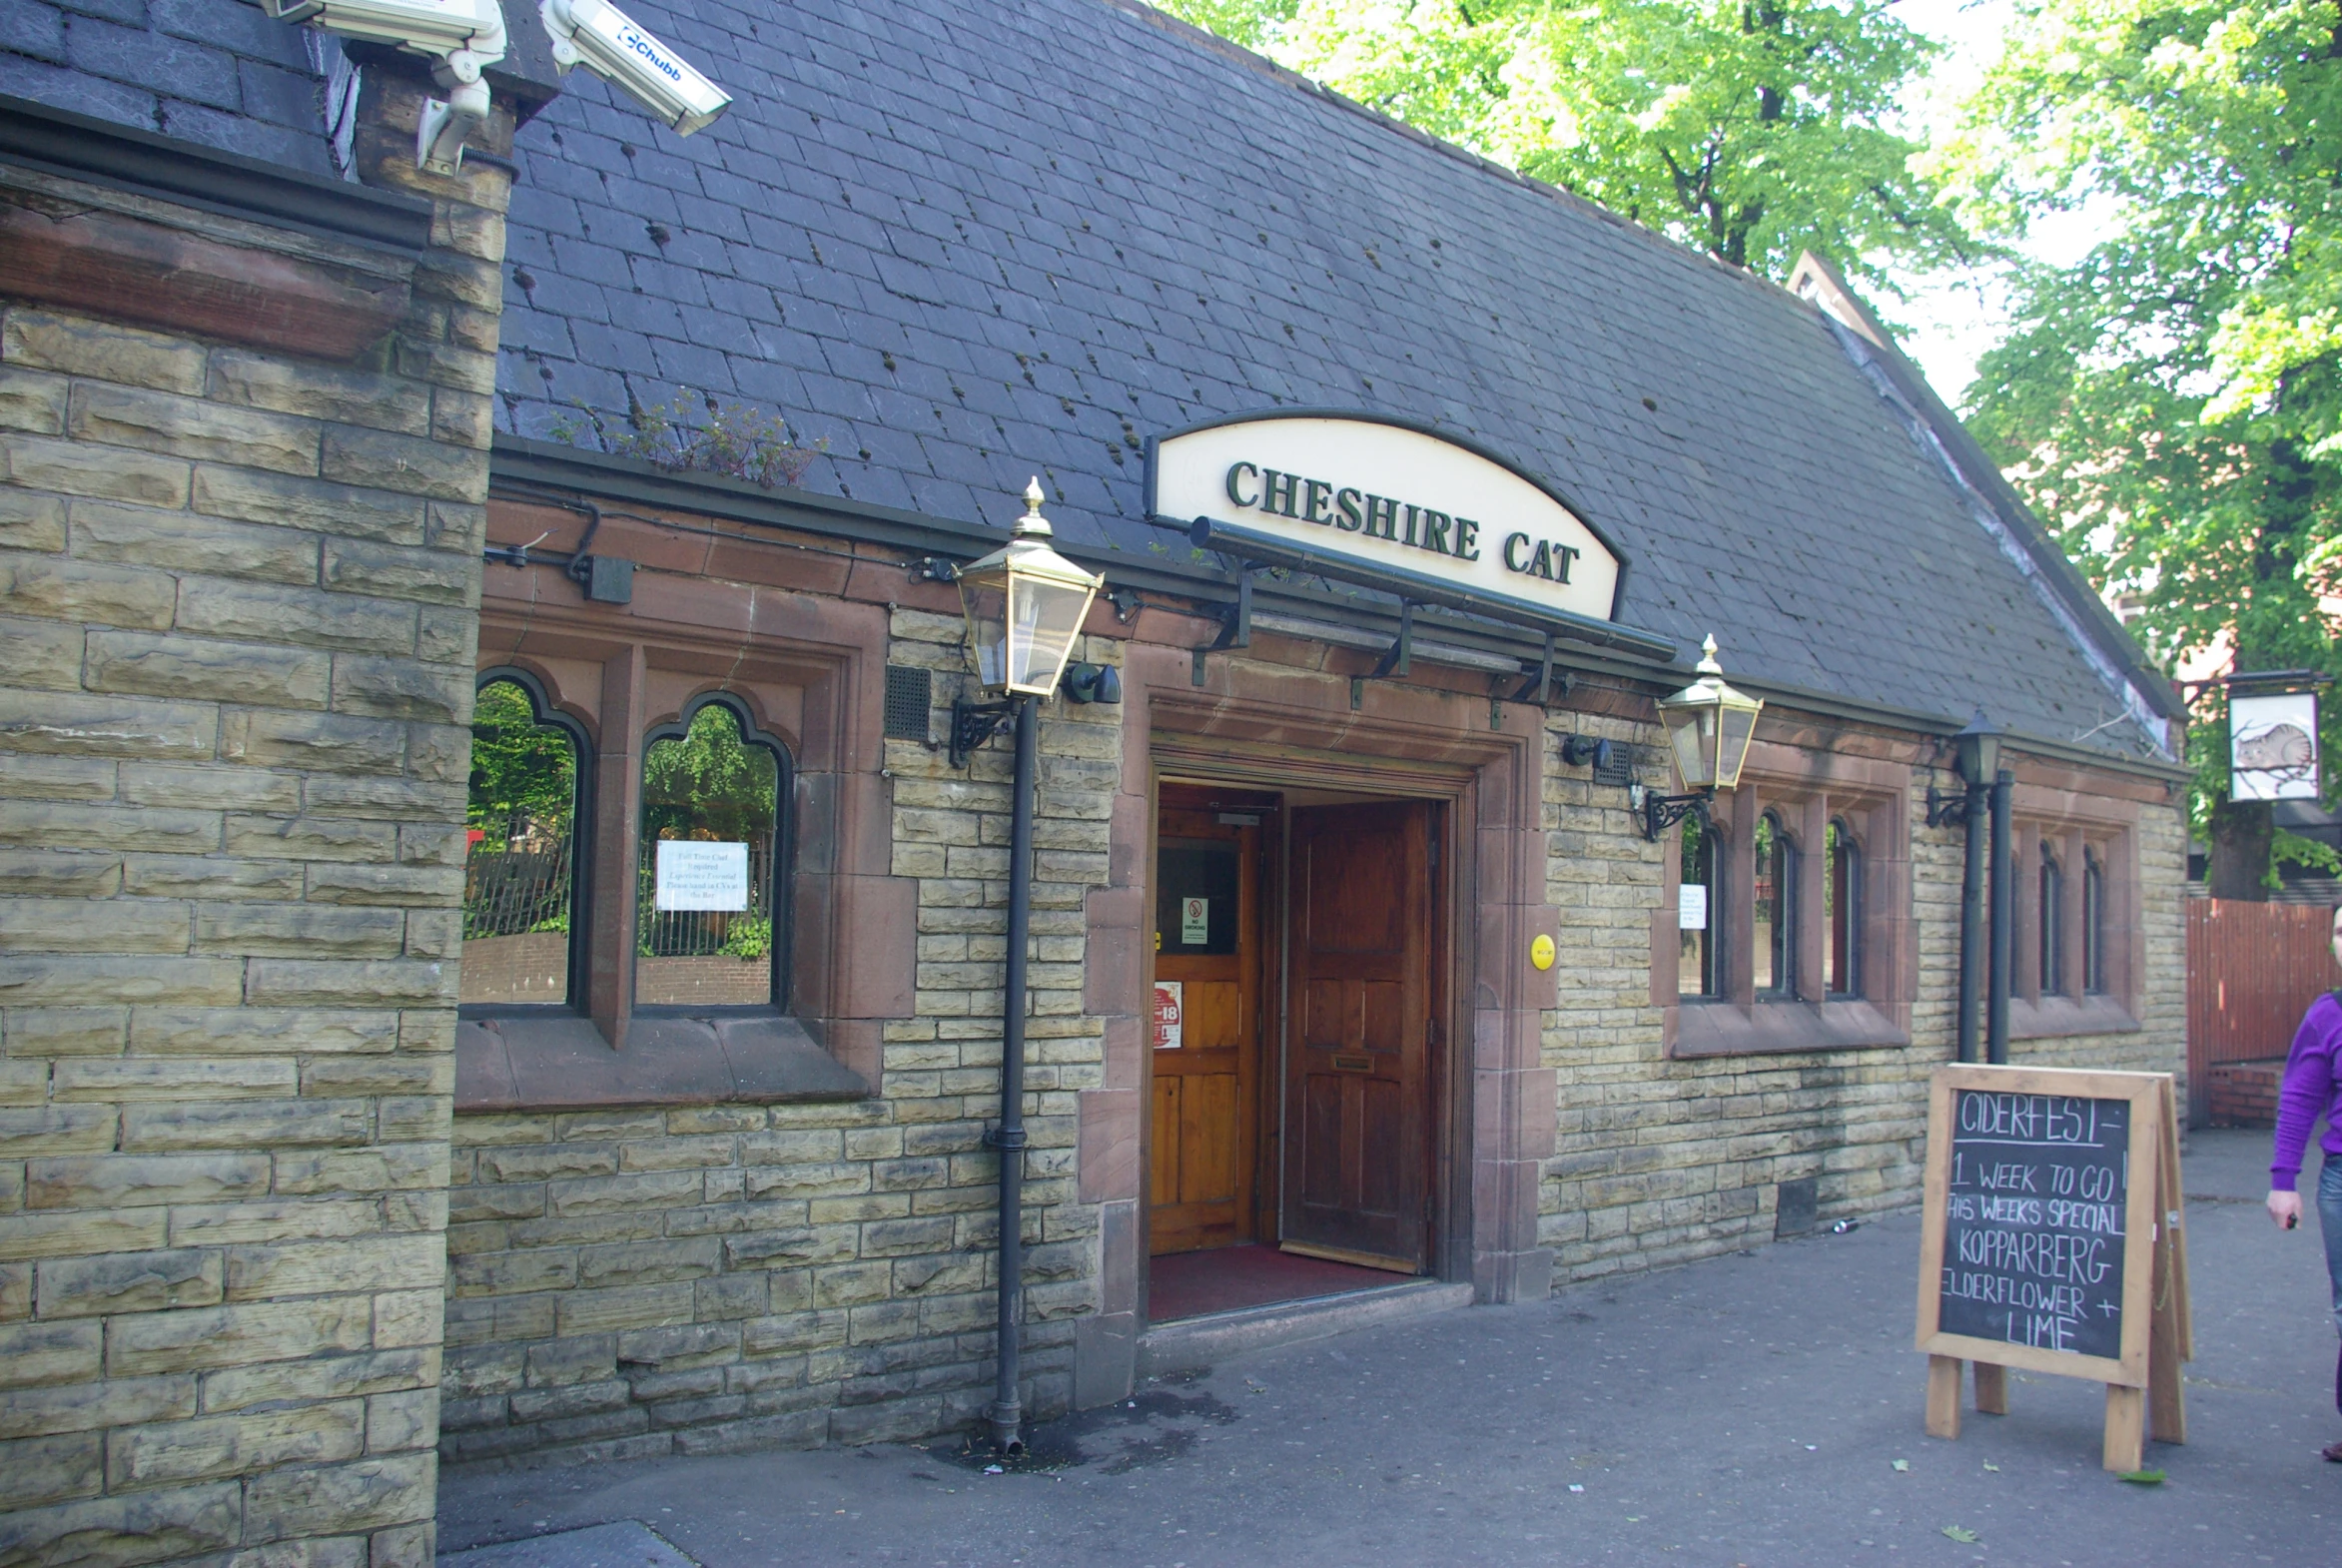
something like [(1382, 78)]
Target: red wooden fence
[(2252, 970)]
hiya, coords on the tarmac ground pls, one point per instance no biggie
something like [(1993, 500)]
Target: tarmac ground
[(1759, 1409)]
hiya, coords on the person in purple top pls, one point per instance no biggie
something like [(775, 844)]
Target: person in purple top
[(2313, 1086)]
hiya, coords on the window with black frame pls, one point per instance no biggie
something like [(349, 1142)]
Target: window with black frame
[(519, 864), (1774, 951), (2051, 974), (2093, 924), (1700, 966), (708, 900), (1842, 886)]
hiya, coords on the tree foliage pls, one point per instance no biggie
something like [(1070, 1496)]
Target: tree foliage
[(709, 784), (523, 774), (2170, 403), (1750, 129)]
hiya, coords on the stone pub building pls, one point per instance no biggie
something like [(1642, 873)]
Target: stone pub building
[(499, 955)]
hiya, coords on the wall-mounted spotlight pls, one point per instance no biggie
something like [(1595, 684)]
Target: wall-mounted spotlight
[(1092, 684), (1580, 751)]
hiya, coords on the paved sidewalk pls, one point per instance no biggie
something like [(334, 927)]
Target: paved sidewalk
[(1745, 1410)]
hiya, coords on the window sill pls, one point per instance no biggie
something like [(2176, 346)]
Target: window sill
[(2054, 1018), (560, 1061), (1724, 1029)]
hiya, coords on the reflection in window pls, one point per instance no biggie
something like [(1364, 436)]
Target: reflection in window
[(519, 861), (710, 836), (1774, 951), (2052, 971), (1841, 899), (1700, 969), (2093, 924)]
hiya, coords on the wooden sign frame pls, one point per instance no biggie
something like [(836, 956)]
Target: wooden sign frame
[(2158, 1327)]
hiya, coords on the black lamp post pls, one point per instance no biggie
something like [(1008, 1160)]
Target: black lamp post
[(1025, 605), (1979, 761)]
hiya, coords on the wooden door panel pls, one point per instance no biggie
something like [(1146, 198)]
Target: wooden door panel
[(1324, 1014), (1204, 1131), (1207, 1140), (1322, 1141), (1214, 1014), (1381, 1179), (1163, 1165), (1382, 1016), (1358, 1136)]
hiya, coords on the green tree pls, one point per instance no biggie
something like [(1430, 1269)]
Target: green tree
[(523, 774), (2170, 403), (1750, 129)]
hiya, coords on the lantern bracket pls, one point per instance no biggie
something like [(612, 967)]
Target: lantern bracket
[(1951, 811), (1401, 653), (1548, 684), (974, 723), (1661, 812)]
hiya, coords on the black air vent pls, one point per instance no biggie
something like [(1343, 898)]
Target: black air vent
[(910, 694)]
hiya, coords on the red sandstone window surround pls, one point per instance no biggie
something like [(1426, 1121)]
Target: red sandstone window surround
[(1809, 942)]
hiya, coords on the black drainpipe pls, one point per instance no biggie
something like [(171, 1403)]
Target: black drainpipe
[(1972, 920), (1007, 1412), (1996, 1009)]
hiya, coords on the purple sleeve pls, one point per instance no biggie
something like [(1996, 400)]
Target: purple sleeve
[(2308, 1084)]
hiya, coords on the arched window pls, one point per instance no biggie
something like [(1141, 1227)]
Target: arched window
[(524, 896), (1842, 891), (2052, 922), (1699, 913), (1774, 951), (710, 911), (2093, 924)]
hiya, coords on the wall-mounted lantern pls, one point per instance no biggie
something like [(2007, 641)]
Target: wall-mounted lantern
[(1025, 605), (1708, 727)]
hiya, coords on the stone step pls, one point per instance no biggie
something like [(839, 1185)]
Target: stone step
[(1196, 1343)]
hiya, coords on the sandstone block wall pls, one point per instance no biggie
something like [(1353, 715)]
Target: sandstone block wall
[(1660, 1159), (706, 1277), (238, 593)]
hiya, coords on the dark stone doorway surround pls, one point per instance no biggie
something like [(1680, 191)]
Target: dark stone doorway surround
[(1263, 723)]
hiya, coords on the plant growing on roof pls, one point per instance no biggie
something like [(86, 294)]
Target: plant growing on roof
[(700, 433)]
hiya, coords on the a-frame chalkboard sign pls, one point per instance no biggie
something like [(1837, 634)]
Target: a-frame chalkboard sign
[(2054, 1240)]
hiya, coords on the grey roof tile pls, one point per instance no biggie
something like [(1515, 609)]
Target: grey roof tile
[(1033, 213)]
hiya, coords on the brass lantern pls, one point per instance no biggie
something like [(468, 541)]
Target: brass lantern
[(1708, 727), (1025, 605)]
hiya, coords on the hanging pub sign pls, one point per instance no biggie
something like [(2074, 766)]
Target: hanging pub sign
[(1381, 503), (2273, 745)]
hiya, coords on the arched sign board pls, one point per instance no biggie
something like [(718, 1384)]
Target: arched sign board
[(1392, 506)]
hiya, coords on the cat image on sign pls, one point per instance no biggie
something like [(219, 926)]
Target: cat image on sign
[(2279, 747)]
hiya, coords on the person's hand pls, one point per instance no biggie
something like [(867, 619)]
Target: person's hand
[(2285, 1210)]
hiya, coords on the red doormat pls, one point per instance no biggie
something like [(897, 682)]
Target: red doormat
[(1225, 1278)]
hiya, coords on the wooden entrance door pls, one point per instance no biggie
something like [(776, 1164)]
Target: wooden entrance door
[(1206, 1030), (1357, 1050)]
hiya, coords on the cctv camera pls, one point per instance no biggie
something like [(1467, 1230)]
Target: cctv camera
[(605, 38), (426, 27)]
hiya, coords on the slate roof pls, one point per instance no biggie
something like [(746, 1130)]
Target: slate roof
[(966, 241), (220, 73)]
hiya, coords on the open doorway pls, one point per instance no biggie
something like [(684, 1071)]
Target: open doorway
[(1297, 1034)]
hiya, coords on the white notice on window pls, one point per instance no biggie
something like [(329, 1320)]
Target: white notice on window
[(693, 875), (1194, 922), (1691, 908)]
